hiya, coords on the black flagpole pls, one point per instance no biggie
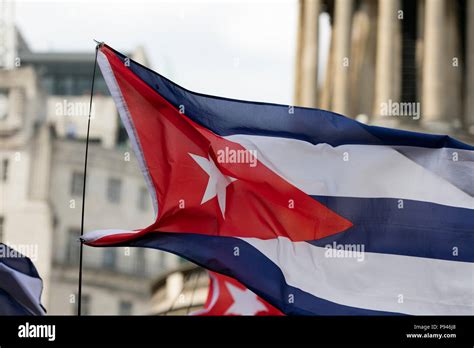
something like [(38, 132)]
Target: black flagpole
[(79, 295)]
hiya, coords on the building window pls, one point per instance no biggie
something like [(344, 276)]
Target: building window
[(125, 308), (73, 246), (64, 85), (140, 261), (110, 258), (142, 198), (113, 190), (85, 304), (82, 86), (48, 84), (71, 131), (122, 136), (3, 104), (2, 224), (5, 169), (77, 182)]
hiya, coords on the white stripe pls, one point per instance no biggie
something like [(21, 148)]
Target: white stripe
[(92, 236), (126, 118), (365, 171), (379, 282), (454, 165)]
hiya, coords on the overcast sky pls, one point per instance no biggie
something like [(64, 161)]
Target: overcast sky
[(238, 49)]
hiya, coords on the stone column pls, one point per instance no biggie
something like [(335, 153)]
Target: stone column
[(299, 49), (434, 111), (420, 51), (469, 97), (388, 60), (309, 61), (454, 66), (363, 51), (326, 92), (342, 47)]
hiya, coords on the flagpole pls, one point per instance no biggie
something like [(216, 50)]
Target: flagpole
[(79, 293)]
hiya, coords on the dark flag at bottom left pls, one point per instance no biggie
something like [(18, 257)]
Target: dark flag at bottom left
[(20, 284)]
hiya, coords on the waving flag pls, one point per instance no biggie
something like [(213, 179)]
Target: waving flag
[(20, 284), (227, 296), (314, 212)]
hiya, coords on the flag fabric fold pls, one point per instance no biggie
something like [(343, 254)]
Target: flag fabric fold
[(313, 211)]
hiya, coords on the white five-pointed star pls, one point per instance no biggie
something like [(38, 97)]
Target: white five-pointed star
[(217, 184), (245, 302)]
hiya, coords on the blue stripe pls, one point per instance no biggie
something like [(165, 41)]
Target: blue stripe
[(229, 116), (251, 268), (9, 306), (419, 229)]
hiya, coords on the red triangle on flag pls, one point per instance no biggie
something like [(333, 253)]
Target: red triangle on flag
[(202, 190)]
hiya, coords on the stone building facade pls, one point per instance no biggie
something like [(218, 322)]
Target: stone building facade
[(44, 100), (400, 63)]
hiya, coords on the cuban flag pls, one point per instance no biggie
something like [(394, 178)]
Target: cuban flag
[(314, 212), (20, 284), (226, 296)]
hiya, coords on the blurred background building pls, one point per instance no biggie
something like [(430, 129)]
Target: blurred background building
[(180, 291), (44, 105), (390, 56)]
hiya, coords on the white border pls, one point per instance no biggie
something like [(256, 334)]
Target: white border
[(126, 118)]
